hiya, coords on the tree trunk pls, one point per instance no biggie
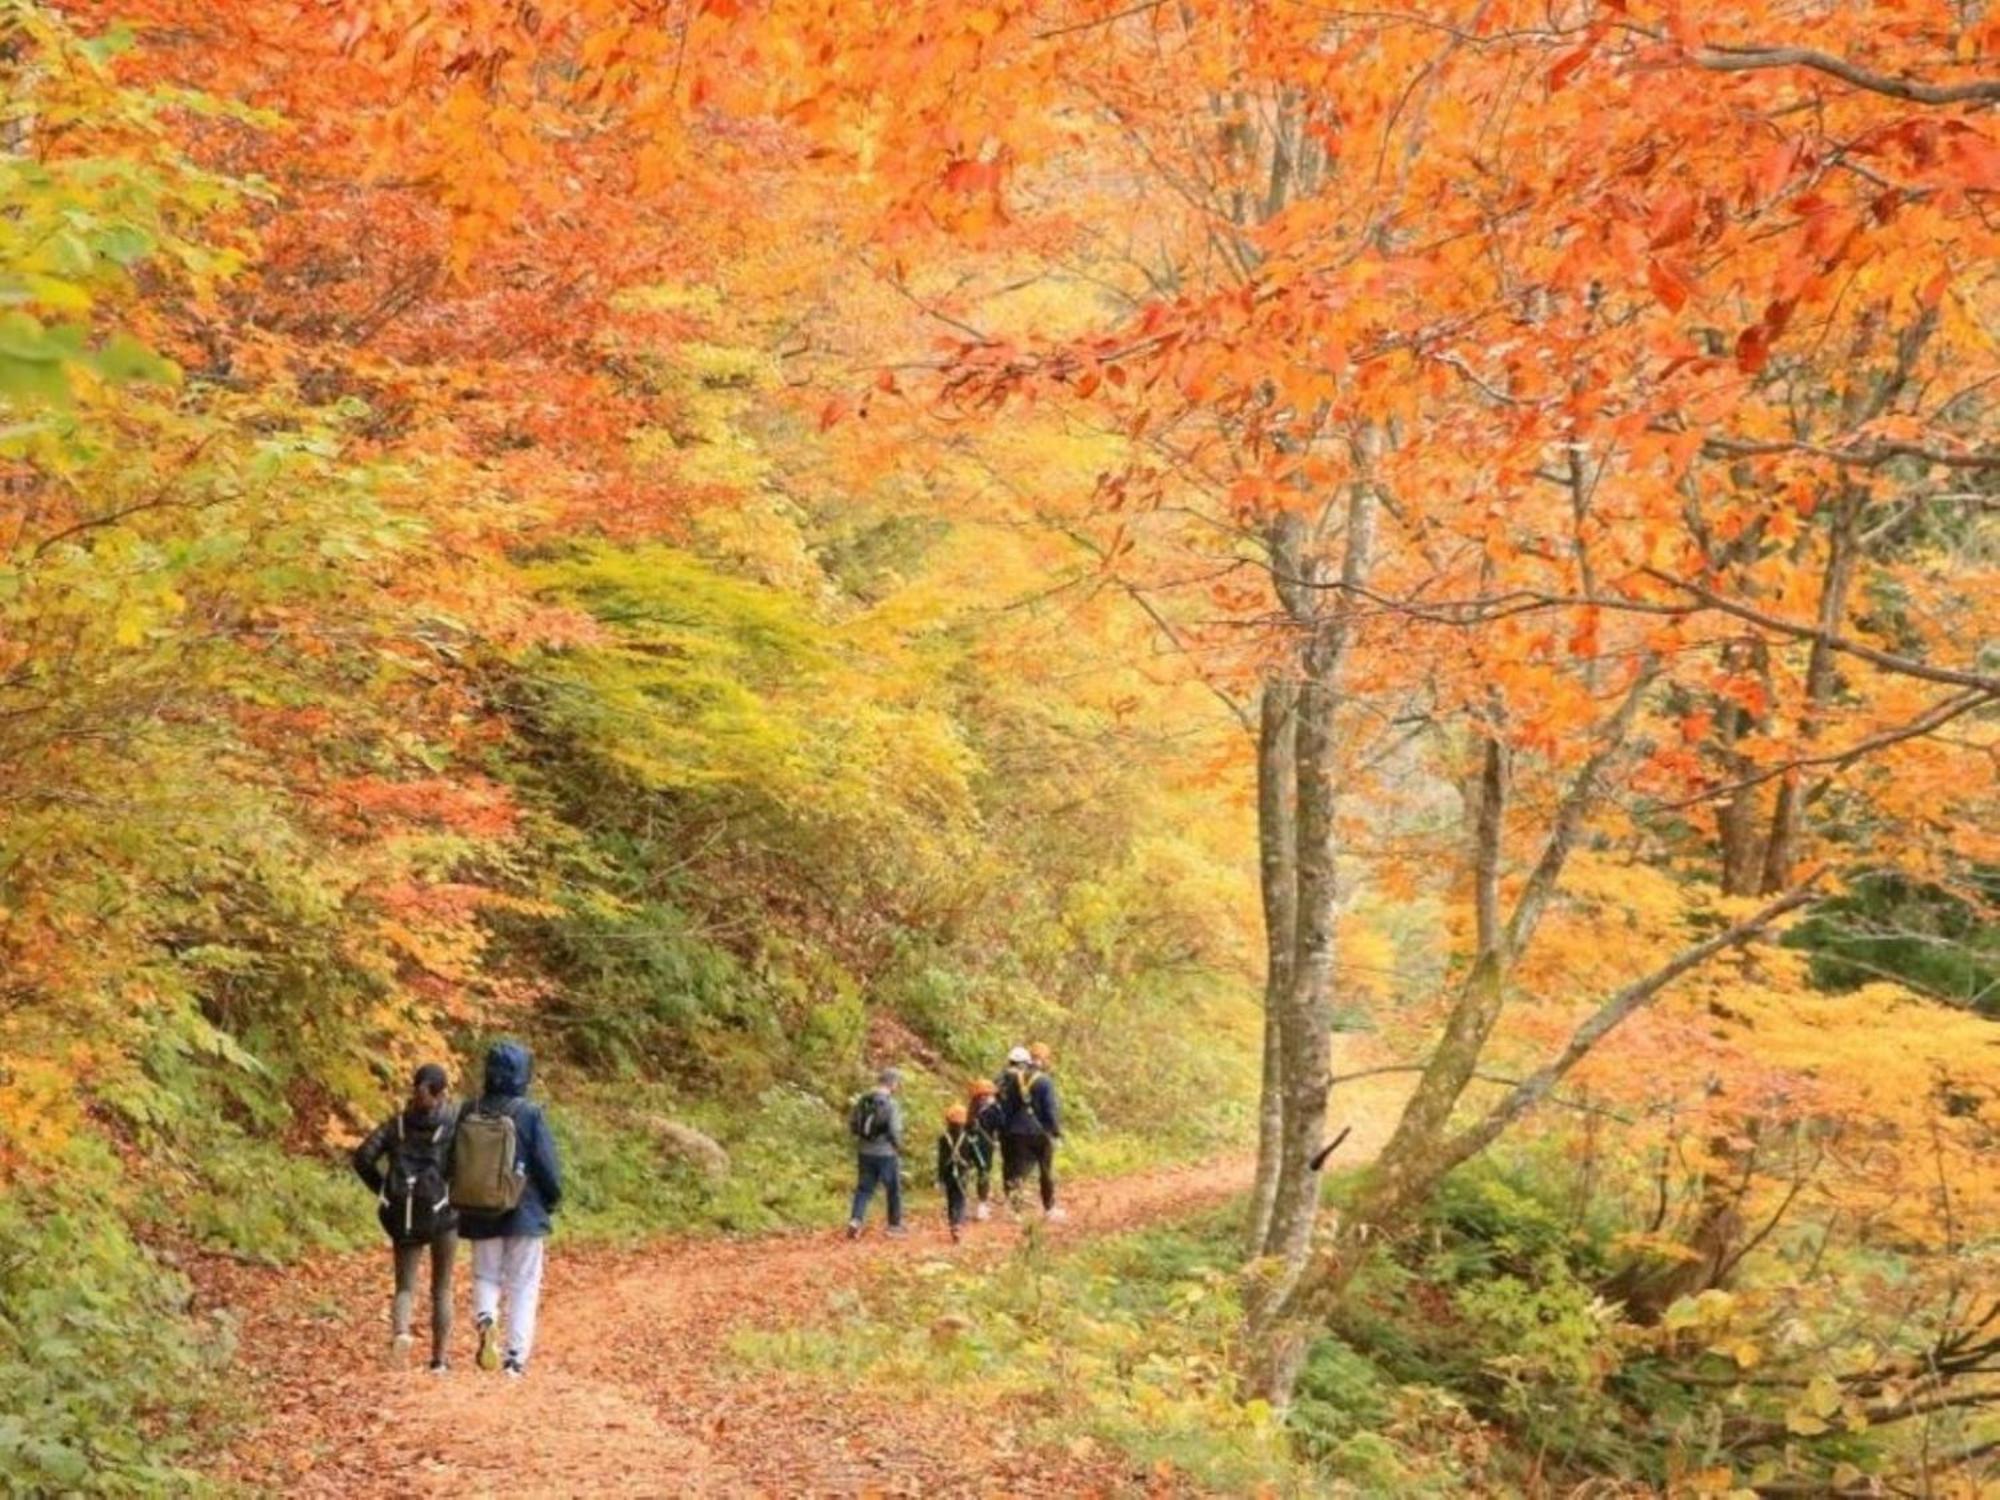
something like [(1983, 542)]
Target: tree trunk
[(1277, 850), (1306, 1021), (1781, 849), (1739, 832)]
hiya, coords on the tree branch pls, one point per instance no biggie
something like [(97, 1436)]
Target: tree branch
[(1935, 717), (1609, 1016), (1577, 803), (1888, 661), (1753, 59)]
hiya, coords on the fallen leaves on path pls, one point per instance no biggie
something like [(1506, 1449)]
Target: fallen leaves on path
[(632, 1392)]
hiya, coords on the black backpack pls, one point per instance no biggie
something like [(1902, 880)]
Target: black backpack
[(869, 1119), (416, 1196), (1017, 1103)]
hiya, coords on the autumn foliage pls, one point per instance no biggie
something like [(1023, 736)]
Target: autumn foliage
[(492, 488)]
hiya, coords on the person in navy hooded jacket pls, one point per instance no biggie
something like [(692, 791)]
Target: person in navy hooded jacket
[(507, 1248)]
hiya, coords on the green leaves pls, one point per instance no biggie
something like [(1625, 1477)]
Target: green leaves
[(33, 360)]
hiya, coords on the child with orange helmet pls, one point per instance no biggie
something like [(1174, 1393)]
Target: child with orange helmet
[(961, 1152), (982, 1106)]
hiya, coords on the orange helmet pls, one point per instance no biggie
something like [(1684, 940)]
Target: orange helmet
[(955, 1115), (1041, 1054), (982, 1088)]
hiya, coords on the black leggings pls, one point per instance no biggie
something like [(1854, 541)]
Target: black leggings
[(1021, 1153), (409, 1262)]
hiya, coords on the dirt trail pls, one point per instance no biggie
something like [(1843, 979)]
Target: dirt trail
[(632, 1392)]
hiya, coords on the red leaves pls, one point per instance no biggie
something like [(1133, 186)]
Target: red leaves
[(1975, 160), (1566, 66), (1672, 220), (1583, 639), (1670, 283), (1747, 693), (1753, 344), (1753, 349), (972, 178)]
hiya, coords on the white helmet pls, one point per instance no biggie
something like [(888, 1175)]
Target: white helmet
[(1019, 1057)]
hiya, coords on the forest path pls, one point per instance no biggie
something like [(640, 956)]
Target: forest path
[(633, 1391)]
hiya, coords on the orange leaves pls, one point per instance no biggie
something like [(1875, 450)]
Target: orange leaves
[(474, 807), (1776, 168), (1975, 159)]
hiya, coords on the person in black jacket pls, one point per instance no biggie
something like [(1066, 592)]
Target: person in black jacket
[(1031, 1124), (507, 1248), (404, 1161)]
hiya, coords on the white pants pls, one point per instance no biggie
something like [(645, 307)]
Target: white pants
[(514, 1263)]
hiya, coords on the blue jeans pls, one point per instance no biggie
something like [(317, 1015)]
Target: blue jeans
[(885, 1172)]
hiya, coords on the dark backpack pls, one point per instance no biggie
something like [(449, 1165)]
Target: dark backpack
[(486, 1175), (415, 1199), (869, 1119), (1017, 1103)]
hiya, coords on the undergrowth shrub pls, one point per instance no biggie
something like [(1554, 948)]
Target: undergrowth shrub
[(1127, 1342), (1492, 1303), (100, 1374)]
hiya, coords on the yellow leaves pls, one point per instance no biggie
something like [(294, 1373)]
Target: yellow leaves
[(1719, 1481), (1824, 1403), (37, 1110), (1710, 1309)]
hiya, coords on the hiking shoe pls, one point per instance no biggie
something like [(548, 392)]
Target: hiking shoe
[(957, 1234), (488, 1357), (897, 1232), (514, 1369), (440, 1367), (854, 1229), (399, 1351), (983, 1212), (1056, 1214)]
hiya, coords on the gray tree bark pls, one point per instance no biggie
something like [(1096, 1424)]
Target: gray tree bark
[(1277, 850)]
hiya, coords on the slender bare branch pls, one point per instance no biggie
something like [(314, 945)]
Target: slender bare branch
[(1753, 59), (1610, 1015)]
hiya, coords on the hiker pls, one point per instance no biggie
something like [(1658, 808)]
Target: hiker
[(876, 1122), (1031, 1124), (404, 1162), (505, 1182), (983, 1105), (961, 1152)]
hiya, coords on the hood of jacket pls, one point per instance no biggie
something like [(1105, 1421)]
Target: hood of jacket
[(508, 1067)]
